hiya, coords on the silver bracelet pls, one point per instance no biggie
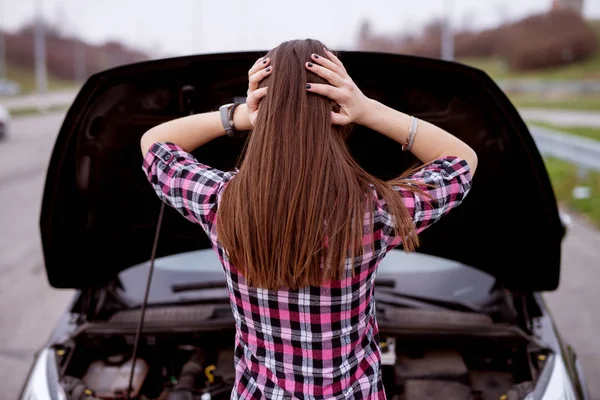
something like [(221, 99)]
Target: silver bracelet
[(412, 132)]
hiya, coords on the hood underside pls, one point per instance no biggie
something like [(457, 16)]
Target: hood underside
[(99, 213)]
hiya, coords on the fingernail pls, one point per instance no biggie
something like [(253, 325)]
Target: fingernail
[(310, 65), (265, 61), (315, 55), (308, 85), (268, 69)]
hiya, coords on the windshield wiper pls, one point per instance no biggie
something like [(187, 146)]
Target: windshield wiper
[(189, 287), (394, 298), (384, 293)]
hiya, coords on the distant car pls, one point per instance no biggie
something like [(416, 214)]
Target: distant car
[(463, 318), (4, 122), (9, 88)]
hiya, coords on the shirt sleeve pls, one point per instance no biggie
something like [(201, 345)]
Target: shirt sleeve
[(187, 185), (445, 183)]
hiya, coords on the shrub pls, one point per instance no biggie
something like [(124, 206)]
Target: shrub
[(558, 37), (60, 53)]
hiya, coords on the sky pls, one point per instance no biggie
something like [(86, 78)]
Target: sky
[(179, 27)]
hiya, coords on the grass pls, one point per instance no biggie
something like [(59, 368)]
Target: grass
[(496, 68), (565, 178), (580, 103), (26, 78), (587, 132), (586, 69), (28, 111)]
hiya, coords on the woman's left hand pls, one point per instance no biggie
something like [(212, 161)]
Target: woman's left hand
[(341, 89), (259, 71)]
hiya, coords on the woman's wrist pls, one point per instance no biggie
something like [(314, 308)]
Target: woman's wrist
[(387, 121), (241, 121), (371, 114)]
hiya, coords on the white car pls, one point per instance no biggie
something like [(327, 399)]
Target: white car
[(10, 88), (463, 318), (4, 122)]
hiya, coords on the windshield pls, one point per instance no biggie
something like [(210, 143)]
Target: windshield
[(414, 273)]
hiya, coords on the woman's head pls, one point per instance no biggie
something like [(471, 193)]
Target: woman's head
[(287, 95), (295, 211)]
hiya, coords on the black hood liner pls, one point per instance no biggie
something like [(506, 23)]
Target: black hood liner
[(99, 213)]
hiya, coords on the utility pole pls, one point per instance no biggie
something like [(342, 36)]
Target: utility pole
[(79, 54), (41, 74), (79, 60), (2, 46), (447, 35)]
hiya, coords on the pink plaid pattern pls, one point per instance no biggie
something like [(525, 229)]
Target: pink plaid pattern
[(316, 342)]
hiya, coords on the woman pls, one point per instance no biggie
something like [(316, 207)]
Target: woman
[(300, 228)]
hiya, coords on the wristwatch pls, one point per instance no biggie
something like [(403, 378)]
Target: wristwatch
[(227, 111)]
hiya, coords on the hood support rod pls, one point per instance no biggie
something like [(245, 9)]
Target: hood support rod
[(146, 293)]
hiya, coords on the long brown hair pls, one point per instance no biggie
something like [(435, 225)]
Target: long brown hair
[(295, 211)]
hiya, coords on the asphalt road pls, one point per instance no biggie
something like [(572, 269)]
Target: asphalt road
[(29, 307)]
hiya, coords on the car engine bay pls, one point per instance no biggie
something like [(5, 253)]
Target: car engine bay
[(188, 365)]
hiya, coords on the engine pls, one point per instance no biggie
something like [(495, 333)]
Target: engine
[(189, 367)]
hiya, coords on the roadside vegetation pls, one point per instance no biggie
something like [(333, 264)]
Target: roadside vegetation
[(30, 111), (565, 177), (566, 102), (498, 70), (25, 77), (62, 52), (586, 68)]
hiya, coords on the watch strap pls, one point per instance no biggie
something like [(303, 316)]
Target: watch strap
[(225, 111)]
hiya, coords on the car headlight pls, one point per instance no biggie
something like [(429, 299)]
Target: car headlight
[(554, 382), (42, 383)]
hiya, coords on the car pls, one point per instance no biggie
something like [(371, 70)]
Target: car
[(4, 122), (9, 88), (462, 318)]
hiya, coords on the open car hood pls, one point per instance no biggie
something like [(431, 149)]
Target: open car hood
[(99, 213)]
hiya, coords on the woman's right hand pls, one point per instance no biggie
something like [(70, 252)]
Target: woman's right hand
[(259, 71), (353, 103)]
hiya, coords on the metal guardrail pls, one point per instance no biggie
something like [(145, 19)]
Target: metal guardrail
[(587, 119), (548, 87), (585, 153)]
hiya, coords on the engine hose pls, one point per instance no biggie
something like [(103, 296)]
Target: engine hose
[(186, 386)]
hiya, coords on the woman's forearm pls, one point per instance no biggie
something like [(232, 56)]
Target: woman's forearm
[(193, 131), (430, 143)]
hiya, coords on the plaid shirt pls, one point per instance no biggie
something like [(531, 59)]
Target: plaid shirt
[(316, 342)]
